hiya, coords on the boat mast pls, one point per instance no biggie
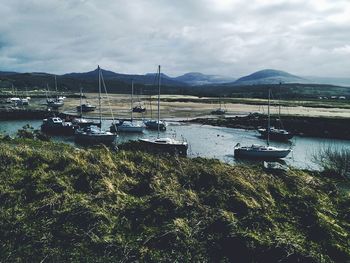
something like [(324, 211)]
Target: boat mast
[(132, 93), (158, 99), (56, 88), (268, 120), (99, 94), (81, 108)]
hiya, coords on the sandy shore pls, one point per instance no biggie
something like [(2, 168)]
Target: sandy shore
[(120, 105)]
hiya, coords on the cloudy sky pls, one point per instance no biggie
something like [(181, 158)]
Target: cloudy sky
[(227, 37)]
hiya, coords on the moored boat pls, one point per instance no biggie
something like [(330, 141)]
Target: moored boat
[(95, 134), (86, 107), (276, 134), (261, 151), (56, 126), (167, 145), (128, 126), (164, 145), (91, 135)]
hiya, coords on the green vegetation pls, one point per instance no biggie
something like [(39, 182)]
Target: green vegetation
[(63, 204), (335, 162)]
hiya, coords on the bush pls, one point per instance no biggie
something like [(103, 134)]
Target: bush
[(334, 162), (28, 132)]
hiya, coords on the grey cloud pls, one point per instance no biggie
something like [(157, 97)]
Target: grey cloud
[(232, 37)]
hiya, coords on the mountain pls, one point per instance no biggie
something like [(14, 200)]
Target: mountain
[(148, 79), (196, 78), (270, 76)]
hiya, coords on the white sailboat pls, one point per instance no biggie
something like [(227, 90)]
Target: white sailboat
[(132, 125), (95, 134), (56, 102), (262, 151), (166, 144)]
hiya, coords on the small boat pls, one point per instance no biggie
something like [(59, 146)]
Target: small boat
[(260, 152), (57, 126), (155, 124), (265, 152), (95, 134), (82, 122), (276, 134), (86, 107), (91, 135), (219, 111), (23, 102), (139, 109), (168, 145), (13, 100), (57, 102), (128, 126)]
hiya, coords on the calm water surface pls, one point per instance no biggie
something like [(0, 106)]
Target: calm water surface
[(212, 142)]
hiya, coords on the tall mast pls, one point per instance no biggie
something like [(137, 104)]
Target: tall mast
[(268, 120), (99, 94), (56, 87), (132, 93), (158, 99), (81, 108)]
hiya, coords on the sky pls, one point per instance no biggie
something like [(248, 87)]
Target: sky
[(225, 37)]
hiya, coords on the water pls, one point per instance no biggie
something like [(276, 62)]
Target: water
[(210, 141)]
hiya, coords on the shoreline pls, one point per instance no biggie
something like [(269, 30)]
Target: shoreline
[(316, 127)]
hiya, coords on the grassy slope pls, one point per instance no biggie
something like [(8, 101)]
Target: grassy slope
[(63, 204)]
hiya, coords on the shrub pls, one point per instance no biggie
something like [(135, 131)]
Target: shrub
[(334, 162)]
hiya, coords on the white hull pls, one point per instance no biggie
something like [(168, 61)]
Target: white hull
[(261, 152), (92, 135), (127, 126)]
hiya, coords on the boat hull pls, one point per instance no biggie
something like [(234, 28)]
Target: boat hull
[(86, 108), (153, 125), (95, 139), (180, 148), (275, 135), (259, 154), (130, 129)]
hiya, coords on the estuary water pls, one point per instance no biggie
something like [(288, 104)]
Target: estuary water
[(212, 142)]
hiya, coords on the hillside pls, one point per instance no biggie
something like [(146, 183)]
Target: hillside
[(62, 204), (269, 76), (196, 78)]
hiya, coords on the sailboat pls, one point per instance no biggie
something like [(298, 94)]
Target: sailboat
[(262, 151), (128, 126), (168, 145), (56, 102), (157, 124), (95, 134), (84, 107), (82, 122), (278, 134), (219, 111)]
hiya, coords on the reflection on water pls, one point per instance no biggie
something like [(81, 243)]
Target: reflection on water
[(212, 142)]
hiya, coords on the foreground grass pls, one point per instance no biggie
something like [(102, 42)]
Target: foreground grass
[(61, 204)]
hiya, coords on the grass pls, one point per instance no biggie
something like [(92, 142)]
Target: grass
[(62, 204)]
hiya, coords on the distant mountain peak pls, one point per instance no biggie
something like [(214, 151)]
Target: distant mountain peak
[(269, 76)]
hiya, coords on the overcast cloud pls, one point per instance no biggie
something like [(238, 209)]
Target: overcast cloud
[(227, 37)]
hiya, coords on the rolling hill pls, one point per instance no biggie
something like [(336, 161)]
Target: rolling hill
[(270, 76)]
